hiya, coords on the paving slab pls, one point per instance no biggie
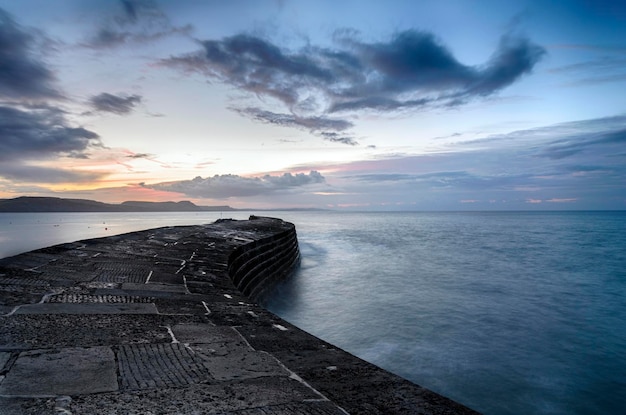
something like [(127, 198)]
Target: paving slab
[(177, 307), (238, 363), (205, 333), (166, 278), (167, 288), (149, 366), (88, 308), (68, 371), (38, 331)]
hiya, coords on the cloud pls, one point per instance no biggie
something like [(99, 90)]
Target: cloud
[(22, 75), (412, 70), (443, 179), (609, 66), (587, 142), (229, 185), (140, 156), (498, 172), (116, 104), (515, 57), (327, 128), (136, 21), (130, 8), (23, 172), (338, 138), (40, 133)]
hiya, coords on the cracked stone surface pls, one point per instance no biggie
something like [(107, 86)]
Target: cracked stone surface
[(150, 323)]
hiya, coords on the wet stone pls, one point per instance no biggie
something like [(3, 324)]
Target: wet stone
[(122, 275), (236, 363), (25, 331), (255, 395), (88, 308), (145, 366), (26, 406), (4, 359), (205, 333), (87, 298), (28, 281), (167, 288), (165, 306), (69, 371)]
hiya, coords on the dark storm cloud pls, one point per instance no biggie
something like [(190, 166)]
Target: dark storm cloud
[(39, 133), (260, 67), (116, 104), (413, 70), (22, 74), (229, 185), (136, 21)]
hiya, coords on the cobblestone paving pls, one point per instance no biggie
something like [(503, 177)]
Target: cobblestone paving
[(22, 281), (87, 298), (122, 273)]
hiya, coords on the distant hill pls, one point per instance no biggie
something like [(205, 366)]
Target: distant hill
[(183, 206), (55, 204)]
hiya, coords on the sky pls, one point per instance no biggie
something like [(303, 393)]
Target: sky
[(351, 105)]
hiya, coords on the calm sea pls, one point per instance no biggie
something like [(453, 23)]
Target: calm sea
[(507, 312)]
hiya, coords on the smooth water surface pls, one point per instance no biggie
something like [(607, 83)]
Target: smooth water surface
[(508, 312)]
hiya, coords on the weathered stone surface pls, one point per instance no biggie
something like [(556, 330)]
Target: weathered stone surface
[(256, 395), (20, 332), (205, 333), (68, 371), (88, 308), (238, 363), (26, 406), (149, 366), (4, 358), (169, 288)]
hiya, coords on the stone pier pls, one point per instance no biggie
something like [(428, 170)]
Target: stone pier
[(164, 321)]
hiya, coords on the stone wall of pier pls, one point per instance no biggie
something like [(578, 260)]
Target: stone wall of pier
[(257, 266)]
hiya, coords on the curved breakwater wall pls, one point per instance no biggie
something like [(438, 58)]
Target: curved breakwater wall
[(257, 266)]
